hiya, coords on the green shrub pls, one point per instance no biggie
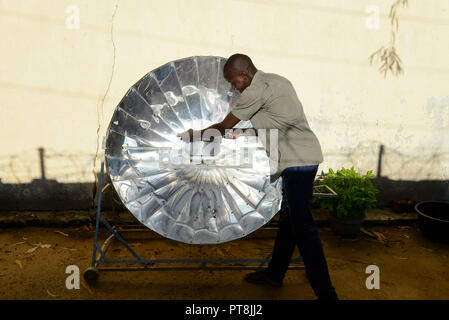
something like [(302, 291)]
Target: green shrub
[(356, 193)]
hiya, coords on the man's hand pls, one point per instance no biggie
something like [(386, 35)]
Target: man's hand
[(187, 136), (236, 133), (195, 135)]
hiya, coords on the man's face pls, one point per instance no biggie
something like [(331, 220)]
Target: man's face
[(239, 81)]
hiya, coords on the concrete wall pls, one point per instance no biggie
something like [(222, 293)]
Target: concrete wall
[(59, 84)]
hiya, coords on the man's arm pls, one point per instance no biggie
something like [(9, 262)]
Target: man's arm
[(228, 123)]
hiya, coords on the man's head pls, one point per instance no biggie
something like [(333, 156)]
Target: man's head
[(239, 71)]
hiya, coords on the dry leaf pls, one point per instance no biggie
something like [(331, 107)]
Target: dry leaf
[(380, 236), (220, 252), (15, 244), (53, 295), (68, 248), (62, 233), (45, 246), (19, 263), (31, 250), (368, 233)]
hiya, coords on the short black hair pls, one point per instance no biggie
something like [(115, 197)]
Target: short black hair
[(240, 62)]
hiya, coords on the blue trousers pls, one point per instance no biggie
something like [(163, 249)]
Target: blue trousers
[(297, 227)]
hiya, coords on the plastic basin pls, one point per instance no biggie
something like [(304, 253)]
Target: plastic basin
[(433, 218)]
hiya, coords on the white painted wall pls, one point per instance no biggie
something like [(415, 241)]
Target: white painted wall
[(53, 79)]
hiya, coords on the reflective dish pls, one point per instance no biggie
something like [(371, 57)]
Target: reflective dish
[(198, 193)]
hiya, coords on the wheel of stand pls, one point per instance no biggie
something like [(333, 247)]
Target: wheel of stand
[(91, 275)]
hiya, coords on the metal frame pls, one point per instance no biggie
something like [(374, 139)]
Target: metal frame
[(99, 258)]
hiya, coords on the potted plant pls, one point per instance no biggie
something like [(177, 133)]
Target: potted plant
[(356, 194)]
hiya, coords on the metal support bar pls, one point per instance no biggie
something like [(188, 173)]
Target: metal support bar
[(192, 268), (105, 247), (119, 238)]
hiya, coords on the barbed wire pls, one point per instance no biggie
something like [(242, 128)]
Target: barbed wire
[(77, 167), (65, 167)]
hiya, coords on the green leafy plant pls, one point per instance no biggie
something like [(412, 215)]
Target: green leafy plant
[(356, 193)]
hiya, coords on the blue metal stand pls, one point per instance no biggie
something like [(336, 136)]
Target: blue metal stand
[(99, 259)]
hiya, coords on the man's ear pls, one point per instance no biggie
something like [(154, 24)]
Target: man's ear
[(244, 75)]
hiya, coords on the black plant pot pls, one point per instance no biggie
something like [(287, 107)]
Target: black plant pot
[(433, 218), (345, 226)]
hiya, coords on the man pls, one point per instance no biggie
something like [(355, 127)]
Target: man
[(269, 101)]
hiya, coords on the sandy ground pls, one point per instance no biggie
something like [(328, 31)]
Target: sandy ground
[(33, 262)]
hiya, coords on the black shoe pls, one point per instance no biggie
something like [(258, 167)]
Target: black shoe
[(262, 278)]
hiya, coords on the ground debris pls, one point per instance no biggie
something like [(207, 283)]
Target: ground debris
[(19, 263), (51, 294), (380, 237), (220, 252), (45, 246), (71, 249), (36, 246), (31, 250), (62, 233), (368, 233), (17, 243)]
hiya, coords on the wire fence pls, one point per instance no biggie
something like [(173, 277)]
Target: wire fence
[(77, 167), (64, 167)]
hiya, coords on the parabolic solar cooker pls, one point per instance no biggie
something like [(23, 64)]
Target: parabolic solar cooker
[(197, 192)]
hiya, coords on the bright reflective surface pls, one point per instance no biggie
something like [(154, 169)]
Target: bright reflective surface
[(198, 193)]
